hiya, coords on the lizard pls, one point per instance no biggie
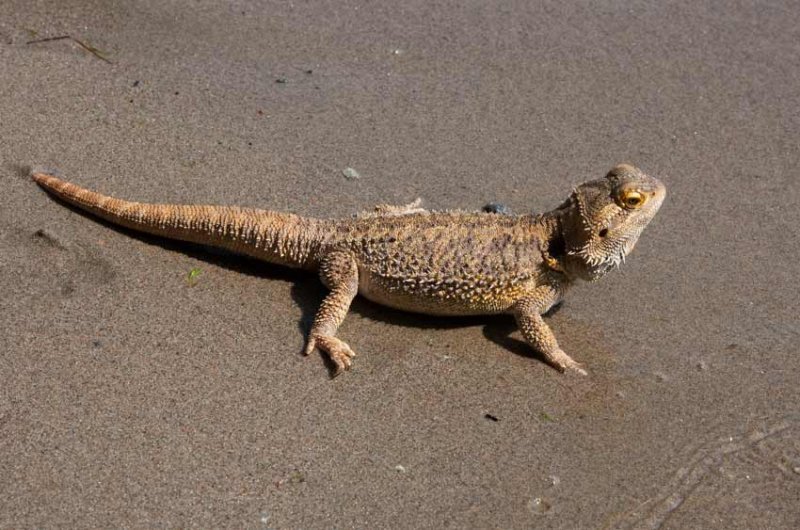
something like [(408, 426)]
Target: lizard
[(431, 262)]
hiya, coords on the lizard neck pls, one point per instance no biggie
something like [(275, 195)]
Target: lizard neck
[(554, 249), (566, 236)]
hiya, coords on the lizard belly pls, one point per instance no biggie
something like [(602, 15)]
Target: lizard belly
[(438, 300)]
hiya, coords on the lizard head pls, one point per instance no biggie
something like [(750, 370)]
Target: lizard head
[(604, 218)]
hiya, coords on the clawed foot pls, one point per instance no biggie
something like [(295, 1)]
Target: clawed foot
[(405, 209), (390, 210), (563, 362), (577, 367), (338, 351)]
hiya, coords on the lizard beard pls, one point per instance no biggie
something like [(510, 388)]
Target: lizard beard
[(592, 252)]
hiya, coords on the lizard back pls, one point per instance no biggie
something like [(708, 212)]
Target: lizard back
[(448, 263)]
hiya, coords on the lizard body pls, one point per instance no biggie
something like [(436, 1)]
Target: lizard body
[(438, 263)]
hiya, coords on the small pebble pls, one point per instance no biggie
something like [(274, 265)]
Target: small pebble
[(350, 174), (539, 506)]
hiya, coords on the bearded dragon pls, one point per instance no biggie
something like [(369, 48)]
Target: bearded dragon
[(408, 258)]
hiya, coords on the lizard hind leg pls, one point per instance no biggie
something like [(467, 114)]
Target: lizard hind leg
[(404, 209), (339, 272), (390, 210)]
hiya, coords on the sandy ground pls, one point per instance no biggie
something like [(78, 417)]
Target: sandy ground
[(131, 399)]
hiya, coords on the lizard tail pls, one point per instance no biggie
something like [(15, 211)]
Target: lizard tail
[(281, 238)]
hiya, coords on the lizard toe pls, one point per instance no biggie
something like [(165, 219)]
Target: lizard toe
[(579, 369), (311, 345), (338, 351), (563, 362), (575, 367)]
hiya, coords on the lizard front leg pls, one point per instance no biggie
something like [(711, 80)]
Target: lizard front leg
[(528, 312), (339, 272)]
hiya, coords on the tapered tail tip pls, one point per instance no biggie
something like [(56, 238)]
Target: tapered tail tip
[(44, 179)]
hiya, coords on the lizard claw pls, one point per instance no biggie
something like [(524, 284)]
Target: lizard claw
[(563, 362), (569, 364), (338, 351), (579, 369), (311, 345)]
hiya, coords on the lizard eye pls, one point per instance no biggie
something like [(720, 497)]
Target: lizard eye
[(631, 199)]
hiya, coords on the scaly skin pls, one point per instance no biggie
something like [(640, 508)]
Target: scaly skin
[(437, 263)]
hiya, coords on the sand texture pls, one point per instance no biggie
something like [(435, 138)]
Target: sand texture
[(135, 393)]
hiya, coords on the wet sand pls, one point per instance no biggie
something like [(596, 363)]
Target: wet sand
[(133, 397)]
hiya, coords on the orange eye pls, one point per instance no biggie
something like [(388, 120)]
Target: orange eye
[(631, 199)]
